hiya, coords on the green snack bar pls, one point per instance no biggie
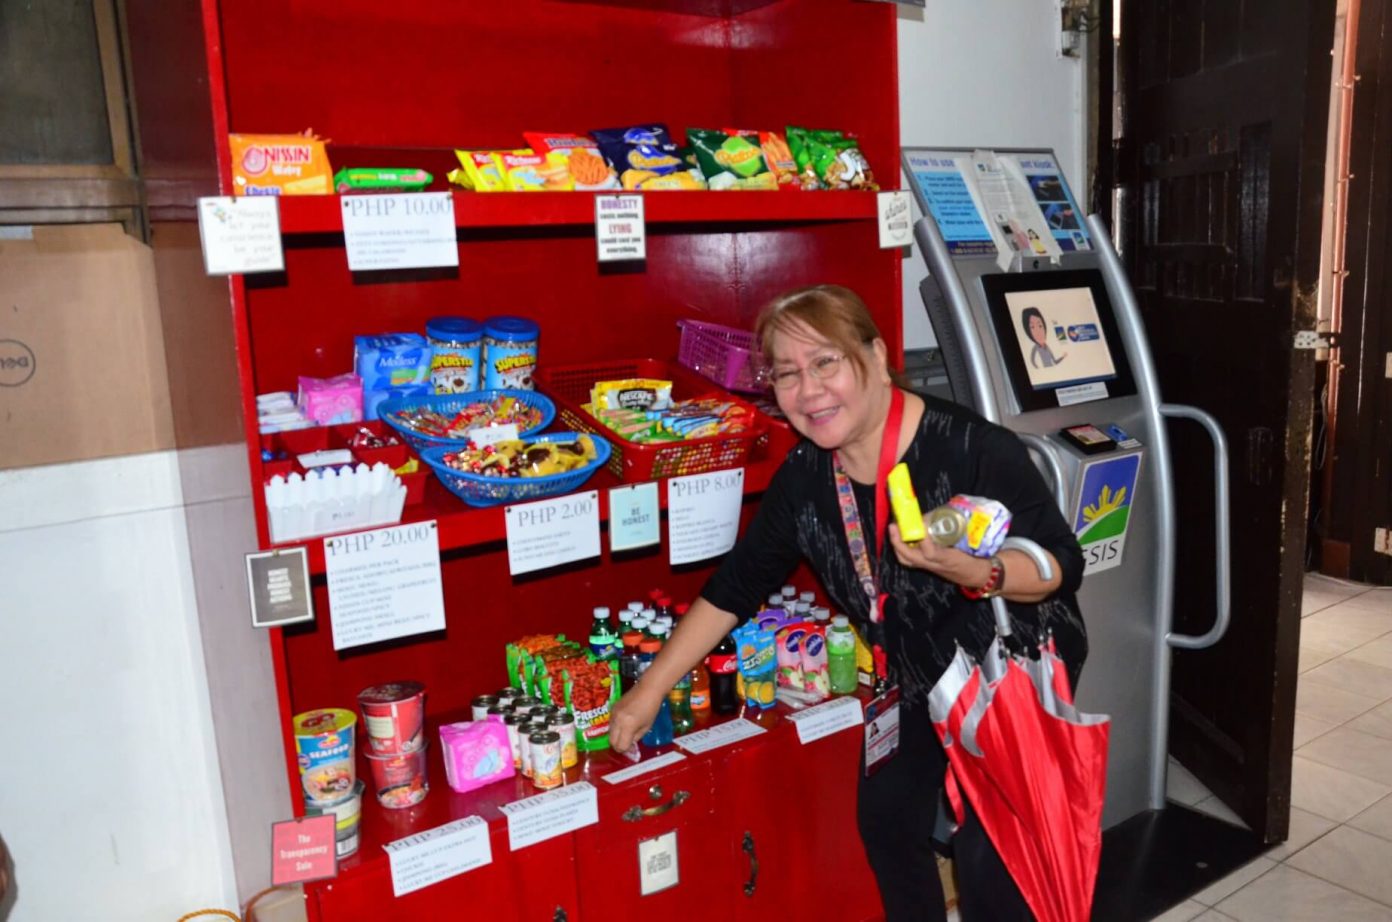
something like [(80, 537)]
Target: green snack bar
[(381, 179)]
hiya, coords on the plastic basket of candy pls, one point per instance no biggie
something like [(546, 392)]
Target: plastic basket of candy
[(444, 420), (509, 472), (726, 355), (652, 449)]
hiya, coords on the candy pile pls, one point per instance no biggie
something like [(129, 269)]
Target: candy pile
[(515, 458), (499, 411), (366, 438), (700, 418)]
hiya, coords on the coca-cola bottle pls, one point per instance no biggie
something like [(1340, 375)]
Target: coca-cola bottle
[(723, 666)]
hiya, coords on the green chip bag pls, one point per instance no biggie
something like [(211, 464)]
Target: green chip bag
[(729, 161)]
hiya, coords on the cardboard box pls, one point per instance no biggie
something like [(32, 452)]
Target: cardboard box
[(82, 364)]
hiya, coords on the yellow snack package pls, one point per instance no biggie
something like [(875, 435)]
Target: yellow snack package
[(480, 170), (585, 169), (279, 164), (527, 171)]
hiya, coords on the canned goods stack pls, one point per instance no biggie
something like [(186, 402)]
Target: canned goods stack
[(541, 737)]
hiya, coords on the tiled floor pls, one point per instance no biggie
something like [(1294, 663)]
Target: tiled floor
[(1337, 864)]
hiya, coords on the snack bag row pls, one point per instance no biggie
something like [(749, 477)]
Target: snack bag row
[(700, 418)]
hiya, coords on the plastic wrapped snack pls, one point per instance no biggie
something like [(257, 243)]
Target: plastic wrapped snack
[(524, 170), (730, 161), (833, 159), (644, 157), (632, 394), (478, 170), (577, 160), (515, 458), (279, 164), (758, 664), (358, 180)]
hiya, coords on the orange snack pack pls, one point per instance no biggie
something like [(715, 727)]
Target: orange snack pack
[(777, 154), (280, 164), (584, 167)]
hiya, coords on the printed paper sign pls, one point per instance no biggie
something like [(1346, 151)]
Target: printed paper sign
[(409, 230), (438, 854), (1060, 212), (550, 532), (658, 868), (303, 850), (619, 229), (827, 718), (384, 584), (719, 735), (1012, 214), (1104, 510), (492, 435), (941, 180), (279, 585), (703, 513), (642, 768), (552, 814), (896, 219), (240, 234), (633, 517)]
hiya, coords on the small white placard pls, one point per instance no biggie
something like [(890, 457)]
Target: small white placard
[(620, 233), (492, 435), (657, 864), (408, 230), (703, 513), (1081, 393), (438, 854), (896, 220), (550, 532), (384, 584), (642, 768), (240, 234), (634, 520), (827, 718), (552, 814), (719, 735)]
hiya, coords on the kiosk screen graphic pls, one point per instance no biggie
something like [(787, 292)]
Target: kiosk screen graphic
[(1060, 337)]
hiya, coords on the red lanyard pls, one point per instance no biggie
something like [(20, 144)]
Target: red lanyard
[(855, 532)]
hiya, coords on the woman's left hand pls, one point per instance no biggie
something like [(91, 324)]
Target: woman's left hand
[(946, 562)]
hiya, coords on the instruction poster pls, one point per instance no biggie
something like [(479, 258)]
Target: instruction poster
[(1104, 510), (950, 200), (1056, 203)]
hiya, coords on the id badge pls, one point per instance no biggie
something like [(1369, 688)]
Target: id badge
[(881, 730)]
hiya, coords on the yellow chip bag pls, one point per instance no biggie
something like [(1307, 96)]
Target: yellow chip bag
[(527, 171), (480, 171), (279, 164)]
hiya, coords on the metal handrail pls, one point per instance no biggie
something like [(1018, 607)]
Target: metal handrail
[(1221, 529)]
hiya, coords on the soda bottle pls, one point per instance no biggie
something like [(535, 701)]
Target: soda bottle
[(790, 595), (660, 733), (628, 660), (724, 666), (679, 702), (841, 656), (700, 689), (601, 635)]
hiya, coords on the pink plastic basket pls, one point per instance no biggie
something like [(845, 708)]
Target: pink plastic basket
[(727, 356)]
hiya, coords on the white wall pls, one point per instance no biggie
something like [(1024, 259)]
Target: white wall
[(986, 73), (110, 795)]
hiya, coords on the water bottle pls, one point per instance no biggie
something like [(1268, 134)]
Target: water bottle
[(841, 658)]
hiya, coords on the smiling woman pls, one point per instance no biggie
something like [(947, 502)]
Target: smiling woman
[(830, 371)]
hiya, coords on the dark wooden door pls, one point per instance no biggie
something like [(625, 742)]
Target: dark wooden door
[(1224, 106)]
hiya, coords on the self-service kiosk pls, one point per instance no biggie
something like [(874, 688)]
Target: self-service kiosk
[(1040, 332)]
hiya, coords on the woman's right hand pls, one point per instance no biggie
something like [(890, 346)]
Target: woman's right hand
[(633, 715)]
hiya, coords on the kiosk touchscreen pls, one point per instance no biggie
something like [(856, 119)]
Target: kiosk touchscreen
[(1039, 333)]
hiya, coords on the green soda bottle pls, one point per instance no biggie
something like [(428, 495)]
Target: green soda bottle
[(841, 658)]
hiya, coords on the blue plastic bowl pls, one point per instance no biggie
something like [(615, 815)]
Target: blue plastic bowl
[(478, 490), (450, 404)]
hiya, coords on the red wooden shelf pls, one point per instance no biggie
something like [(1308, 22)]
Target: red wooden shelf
[(462, 526), (322, 214)]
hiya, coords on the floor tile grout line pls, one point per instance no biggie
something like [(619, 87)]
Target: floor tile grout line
[(1344, 887)]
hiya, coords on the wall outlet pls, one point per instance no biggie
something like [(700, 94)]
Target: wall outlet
[(1382, 541)]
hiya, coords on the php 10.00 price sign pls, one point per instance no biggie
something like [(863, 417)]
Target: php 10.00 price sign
[(551, 532)]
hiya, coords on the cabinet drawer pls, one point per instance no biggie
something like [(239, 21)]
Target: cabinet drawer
[(671, 796)]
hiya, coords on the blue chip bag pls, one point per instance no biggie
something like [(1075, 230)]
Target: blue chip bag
[(640, 153)]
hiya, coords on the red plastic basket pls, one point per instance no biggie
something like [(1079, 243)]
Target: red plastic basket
[(727, 356), (569, 386)]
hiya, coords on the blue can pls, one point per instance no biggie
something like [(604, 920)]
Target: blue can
[(510, 353), (458, 352)]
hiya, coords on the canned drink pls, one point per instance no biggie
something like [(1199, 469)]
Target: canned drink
[(972, 524), (546, 759), (508, 695), (564, 725), (524, 703), (525, 733), (513, 722), (540, 712), (497, 711), (482, 704)]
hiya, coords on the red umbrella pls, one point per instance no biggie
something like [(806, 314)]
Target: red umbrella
[(1032, 767)]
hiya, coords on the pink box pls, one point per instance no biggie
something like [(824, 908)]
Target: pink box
[(330, 401), (476, 753)]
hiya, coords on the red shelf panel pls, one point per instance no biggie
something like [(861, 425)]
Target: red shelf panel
[(462, 526), (320, 214)]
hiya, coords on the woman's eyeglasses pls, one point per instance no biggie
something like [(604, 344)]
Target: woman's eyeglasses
[(821, 368)]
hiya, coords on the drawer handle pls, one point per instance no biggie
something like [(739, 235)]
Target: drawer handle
[(753, 881), (635, 813)]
